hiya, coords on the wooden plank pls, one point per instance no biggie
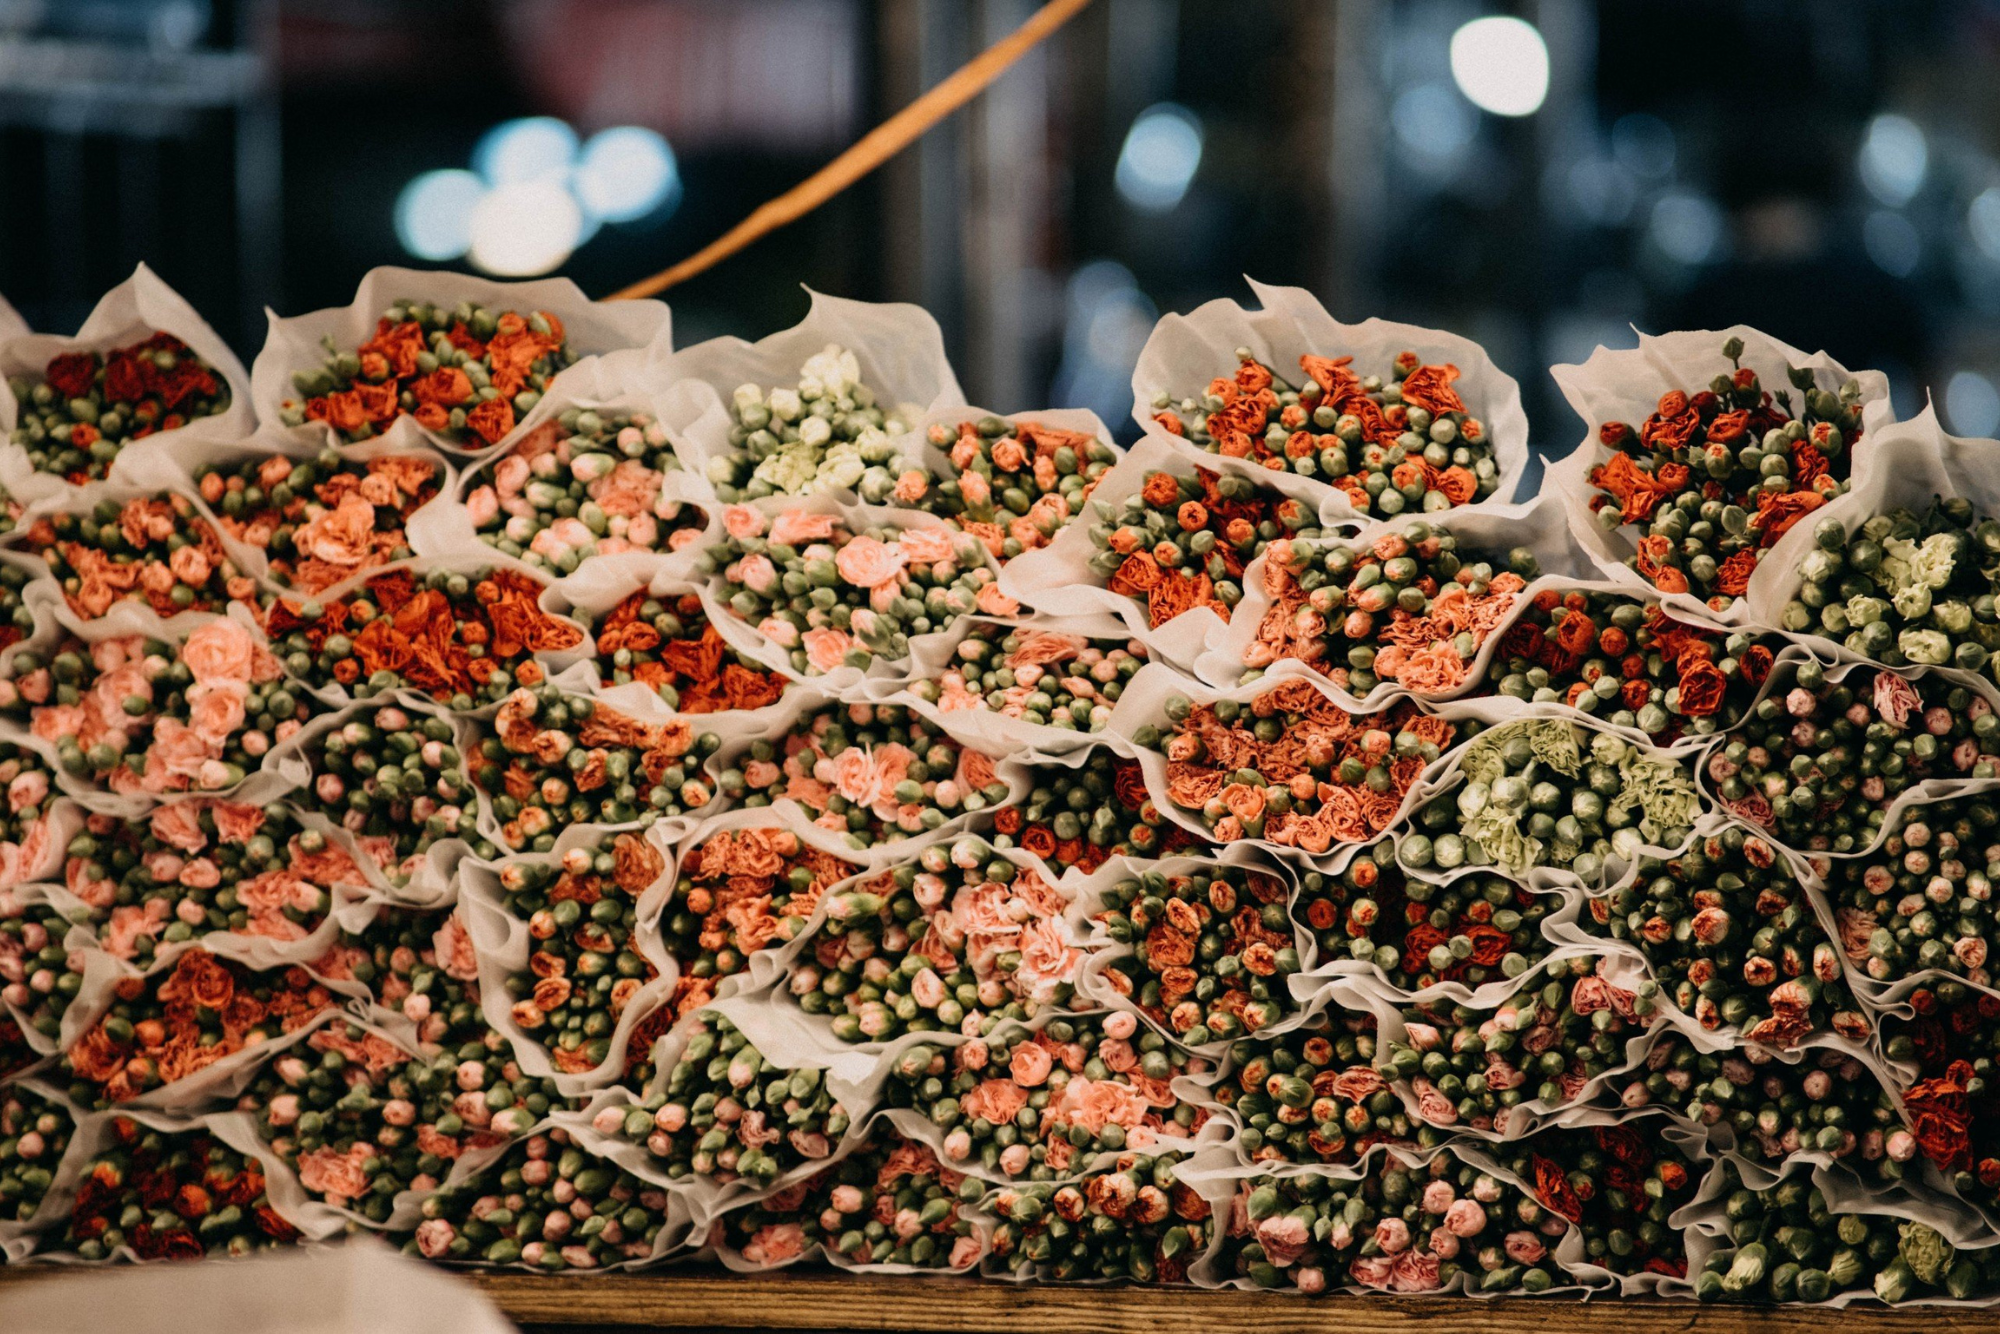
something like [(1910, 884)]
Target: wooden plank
[(713, 1300), (694, 1300)]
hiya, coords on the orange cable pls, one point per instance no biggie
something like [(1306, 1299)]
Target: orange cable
[(880, 144)]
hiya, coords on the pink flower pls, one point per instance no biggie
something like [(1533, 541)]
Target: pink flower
[(178, 824), (1030, 1064), (1284, 1238), (216, 710), (1465, 1219), (757, 574), (742, 522), (1372, 1271), (827, 649), (797, 527), (1414, 1273), (866, 562), (220, 651), (925, 546), (910, 487), (1392, 1235), (434, 1238), (236, 823), (1438, 1196), (965, 1252), (1524, 1247), (28, 789), (482, 507)]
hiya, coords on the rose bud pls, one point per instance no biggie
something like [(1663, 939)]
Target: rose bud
[(1404, 441), (466, 374)]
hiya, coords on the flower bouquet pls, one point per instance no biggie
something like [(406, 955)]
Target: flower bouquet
[(1312, 1095), (1084, 811), (1044, 1101), (462, 373), (153, 550), (169, 1194), (393, 778), (875, 773), (1948, 1109), (465, 638), (1016, 482), (958, 938), (1920, 899), (323, 520), (829, 431), (86, 407), (666, 643), (1135, 1222), (1040, 677), (586, 483), (34, 1131), (1212, 948), (1619, 1184)]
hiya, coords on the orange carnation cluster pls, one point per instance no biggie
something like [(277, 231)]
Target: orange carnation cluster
[(668, 644)]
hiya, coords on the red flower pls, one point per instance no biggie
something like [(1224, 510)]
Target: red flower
[(73, 374)]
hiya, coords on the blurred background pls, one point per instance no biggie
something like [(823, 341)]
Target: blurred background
[(1541, 176)]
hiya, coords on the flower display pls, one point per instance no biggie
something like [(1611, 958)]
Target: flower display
[(584, 964), (199, 865), (464, 639), (1544, 1044), (726, 1114), (827, 432), (1728, 930), (395, 781), (140, 715), (889, 1202), (1629, 663), (1818, 1100), (1136, 1222), (1407, 607), (1920, 901), (1082, 816), (547, 1205), (736, 892), (1946, 1114), (1312, 1095), (1709, 482), (1618, 1184), (1294, 768), (151, 551), (320, 521), (831, 595), (1044, 1102), (1543, 792), (1789, 1246), (1044, 677), (668, 644), (547, 760), (956, 939), (1819, 766), (177, 1021), (1471, 931), (1404, 441), (466, 373), (1400, 1227), (583, 484), (876, 773), (1017, 482), (34, 1131), (168, 1195), (1178, 543), (1904, 589), (86, 407), (1212, 950)]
